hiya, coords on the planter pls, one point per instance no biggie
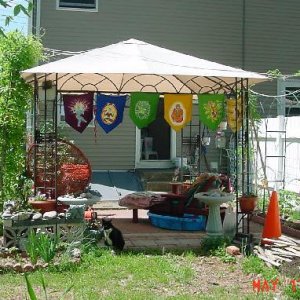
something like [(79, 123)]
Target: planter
[(176, 187), (248, 203), (43, 206)]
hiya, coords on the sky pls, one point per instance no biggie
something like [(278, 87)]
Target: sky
[(20, 22)]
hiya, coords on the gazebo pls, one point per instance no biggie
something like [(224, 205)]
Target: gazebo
[(132, 66)]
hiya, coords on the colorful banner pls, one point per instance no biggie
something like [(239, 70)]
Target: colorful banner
[(178, 110), (109, 112), (78, 110), (211, 109), (234, 114), (143, 108)]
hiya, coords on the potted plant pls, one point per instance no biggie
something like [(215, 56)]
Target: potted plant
[(41, 203), (248, 202)]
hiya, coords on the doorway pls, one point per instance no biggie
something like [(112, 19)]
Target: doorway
[(156, 143)]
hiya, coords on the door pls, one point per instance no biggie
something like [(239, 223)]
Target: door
[(156, 143)]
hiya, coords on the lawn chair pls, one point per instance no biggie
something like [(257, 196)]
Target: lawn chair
[(185, 203)]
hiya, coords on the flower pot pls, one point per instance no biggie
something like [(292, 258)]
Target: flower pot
[(248, 203), (43, 206)]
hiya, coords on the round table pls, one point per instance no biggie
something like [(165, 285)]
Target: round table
[(214, 223)]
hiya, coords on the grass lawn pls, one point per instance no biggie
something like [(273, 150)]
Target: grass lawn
[(101, 275)]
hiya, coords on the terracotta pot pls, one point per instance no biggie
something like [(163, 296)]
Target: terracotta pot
[(248, 203), (43, 206), (176, 187)]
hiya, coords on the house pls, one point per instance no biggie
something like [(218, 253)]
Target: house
[(254, 35)]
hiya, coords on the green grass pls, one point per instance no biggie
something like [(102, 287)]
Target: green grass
[(254, 265), (102, 275)]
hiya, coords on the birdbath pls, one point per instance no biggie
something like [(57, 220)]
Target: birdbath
[(214, 223)]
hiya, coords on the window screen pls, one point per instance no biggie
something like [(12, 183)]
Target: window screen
[(81, 4), (292, 104)]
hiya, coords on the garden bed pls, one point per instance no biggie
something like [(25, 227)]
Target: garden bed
[(286, 226)]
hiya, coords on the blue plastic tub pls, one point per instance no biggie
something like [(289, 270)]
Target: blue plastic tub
[(187, 222)]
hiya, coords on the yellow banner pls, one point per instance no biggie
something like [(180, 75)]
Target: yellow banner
[(178, 110), (234, 114)]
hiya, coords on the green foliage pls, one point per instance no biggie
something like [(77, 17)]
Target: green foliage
[(223, 255), (274, 74), (33, 295), (17, 53), (292, 291), (254, 265), (30, 290), (211, 244), (41, 245), (1, 226), (47, 247), (287, 202), (19, 8), (32, 247)]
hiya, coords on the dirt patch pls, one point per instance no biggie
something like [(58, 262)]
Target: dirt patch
[(291, 269)]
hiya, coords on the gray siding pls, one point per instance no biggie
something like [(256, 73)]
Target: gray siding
[(191, 27), (112, 151)]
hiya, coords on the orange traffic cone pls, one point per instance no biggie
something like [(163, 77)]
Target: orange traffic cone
[(272, 226)]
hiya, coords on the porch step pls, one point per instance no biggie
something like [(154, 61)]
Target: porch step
[(158, 186), (157, 175)]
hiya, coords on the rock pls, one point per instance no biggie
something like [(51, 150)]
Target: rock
[(61, 215), (50, 215), (37, 216), (75, 253), (8, 266), (21, 216), (38, 265), (18, 267), (233, 250), (7, 214), (45, 265), (28, 268)]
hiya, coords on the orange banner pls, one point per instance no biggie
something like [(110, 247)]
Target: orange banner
[(234, 114), (178, 110)]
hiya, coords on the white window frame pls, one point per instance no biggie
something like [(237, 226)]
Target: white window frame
[(77, 9), (282, 84)]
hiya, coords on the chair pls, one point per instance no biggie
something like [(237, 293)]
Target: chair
[(148, 148)]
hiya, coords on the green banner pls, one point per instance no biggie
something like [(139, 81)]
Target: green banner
[(211, 109), (143, 108)]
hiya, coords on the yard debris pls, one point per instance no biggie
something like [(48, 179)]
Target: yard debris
[(276, 251), (233, 250)]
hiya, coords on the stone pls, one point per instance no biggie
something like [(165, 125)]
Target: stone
[(61, 215), (18, 267), (8, 266), (38, 265), (21, 216), (7, 214), (28, 268), (37, 216), (233, 250), (75, 253), (50, 215)]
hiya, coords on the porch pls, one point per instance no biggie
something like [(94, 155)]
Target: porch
[(144, 236)]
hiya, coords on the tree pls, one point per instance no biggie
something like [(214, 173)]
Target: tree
[(17, 53), (17, 9)]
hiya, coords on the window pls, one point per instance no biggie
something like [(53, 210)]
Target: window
[(292, 101), (84, 5)]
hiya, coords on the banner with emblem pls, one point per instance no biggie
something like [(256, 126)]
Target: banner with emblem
[(109, 111), (211, 109), (143, 108), (178, 110), (78, 110), (234, 114)]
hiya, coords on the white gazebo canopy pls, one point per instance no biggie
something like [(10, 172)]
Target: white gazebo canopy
[(135, 65)]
